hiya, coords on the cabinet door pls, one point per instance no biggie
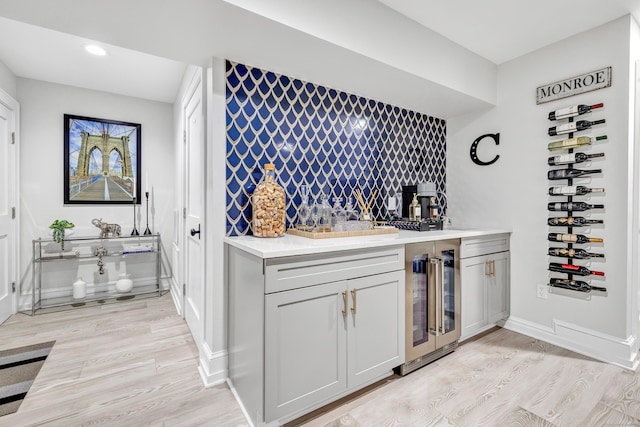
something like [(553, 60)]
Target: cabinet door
[(375, 326), (473, 272), (305, 347), (498, 287)]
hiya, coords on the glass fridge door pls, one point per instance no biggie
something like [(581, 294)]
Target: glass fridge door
[(419, 291), (449, 291)]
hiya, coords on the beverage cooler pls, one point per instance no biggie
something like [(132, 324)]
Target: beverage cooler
[(432, 302)]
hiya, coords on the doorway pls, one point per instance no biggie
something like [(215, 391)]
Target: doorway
[(9, 172)]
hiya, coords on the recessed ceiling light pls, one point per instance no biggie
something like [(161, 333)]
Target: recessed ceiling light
[(95, 50)]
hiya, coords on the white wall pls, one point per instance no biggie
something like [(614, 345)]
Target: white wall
[(41, 162), (7, 80), (513, 191)]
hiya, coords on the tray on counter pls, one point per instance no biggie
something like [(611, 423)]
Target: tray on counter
[(352, 233)]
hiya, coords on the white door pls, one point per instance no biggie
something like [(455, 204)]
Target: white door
[(8, 197), (194, 203)]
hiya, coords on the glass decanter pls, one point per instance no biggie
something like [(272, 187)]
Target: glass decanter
[(304, 210), (324, 221)]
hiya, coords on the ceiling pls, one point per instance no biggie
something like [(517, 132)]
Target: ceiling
[(501, 30), (56, 57), (498, 30)]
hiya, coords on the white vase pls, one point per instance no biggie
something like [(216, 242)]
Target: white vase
[(124, 284), (79, 288)]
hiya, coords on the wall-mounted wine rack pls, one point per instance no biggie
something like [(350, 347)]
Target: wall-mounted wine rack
[(570, 264)]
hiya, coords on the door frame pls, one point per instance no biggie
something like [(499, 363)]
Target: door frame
[(13, 105), (195, 83)]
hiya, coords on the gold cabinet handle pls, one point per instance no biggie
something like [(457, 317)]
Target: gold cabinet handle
[(493, 268), (346, 303), (487, 268), (353, 294)]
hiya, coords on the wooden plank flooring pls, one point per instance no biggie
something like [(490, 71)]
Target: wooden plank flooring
[(134, 364), (126, 364), (501, 379)]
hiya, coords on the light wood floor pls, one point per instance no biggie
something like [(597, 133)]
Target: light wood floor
[(134, 364), (125, 364)]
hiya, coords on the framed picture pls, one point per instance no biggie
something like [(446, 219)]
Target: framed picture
[(101, 161)]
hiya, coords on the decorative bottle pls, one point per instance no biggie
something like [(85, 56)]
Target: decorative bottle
[(415, 210), (573, 127), (79, 289), (573, 238), (565, 159), (573, 111), (573, 269), (269, 203), (570, 173), (572, 206), (573, 221), (124, 283), (573, 190), (575, 285), (324, 221), (580, 141)]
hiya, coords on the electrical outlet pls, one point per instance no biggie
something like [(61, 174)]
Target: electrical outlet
[(543, 291)]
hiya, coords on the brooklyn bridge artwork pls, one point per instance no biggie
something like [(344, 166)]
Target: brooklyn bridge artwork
[(102, 160)]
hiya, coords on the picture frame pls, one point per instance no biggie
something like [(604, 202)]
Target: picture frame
[(102, 161)]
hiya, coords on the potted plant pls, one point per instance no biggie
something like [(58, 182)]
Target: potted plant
[(59, 226)]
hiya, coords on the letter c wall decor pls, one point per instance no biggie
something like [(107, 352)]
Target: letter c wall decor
[(473, 152)]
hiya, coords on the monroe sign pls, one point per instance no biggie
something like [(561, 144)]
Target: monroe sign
[(594, 80)]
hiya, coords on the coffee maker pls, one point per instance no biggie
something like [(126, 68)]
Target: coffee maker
[(430, 212), (426, 192)]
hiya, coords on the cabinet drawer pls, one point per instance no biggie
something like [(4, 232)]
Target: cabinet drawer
[(283, 274), (476, 246)]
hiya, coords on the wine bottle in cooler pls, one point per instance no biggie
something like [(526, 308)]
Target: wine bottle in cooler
[(566, 159), (573, 190), (573, 221), (576, 142), (572, 206), (573, 238), (574, 253), (573, 111), (570, 173), (573, 127), (573, 269), (575, 285)]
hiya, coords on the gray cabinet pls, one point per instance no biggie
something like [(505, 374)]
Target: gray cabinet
[(304, 331), (484, 272)]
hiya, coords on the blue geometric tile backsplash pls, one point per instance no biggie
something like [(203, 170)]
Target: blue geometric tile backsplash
[(332, 141)]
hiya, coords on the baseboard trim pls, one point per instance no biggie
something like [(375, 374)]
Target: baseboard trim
[(213, 366), (176, 295), (607, 348), (239, 401)]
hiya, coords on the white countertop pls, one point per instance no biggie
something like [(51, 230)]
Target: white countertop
[(289, 245)]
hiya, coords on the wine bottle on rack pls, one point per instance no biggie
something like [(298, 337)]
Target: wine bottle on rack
[(579, 141), (573, 190), (566, 159), (575, 110), (573, 269), (572, 206), (573, 238), (573, 127), (573, 221), (570, 173), (573, 253), (575, 285)]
